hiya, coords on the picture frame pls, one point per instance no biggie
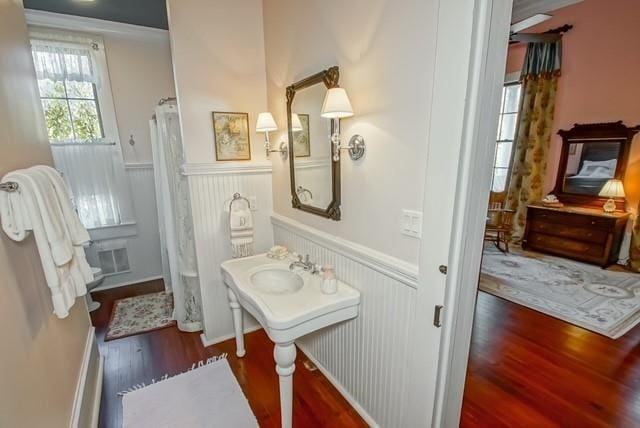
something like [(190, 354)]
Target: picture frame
[(302, 139), (231, 136)]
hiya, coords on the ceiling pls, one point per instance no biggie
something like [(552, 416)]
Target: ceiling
[(525, 8), (148, 13)]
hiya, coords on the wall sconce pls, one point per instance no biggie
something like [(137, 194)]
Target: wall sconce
[(337, 106), (267, 124)]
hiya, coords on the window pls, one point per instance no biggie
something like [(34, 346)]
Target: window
[(72, 76), (507, 124), (67, 78)]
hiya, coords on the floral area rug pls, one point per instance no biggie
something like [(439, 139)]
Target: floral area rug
[(599, 300), (139, 314)]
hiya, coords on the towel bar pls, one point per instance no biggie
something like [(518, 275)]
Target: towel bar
[(9, 186)]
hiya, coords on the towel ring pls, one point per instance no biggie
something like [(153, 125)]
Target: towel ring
[(237, 197), (300, 190)]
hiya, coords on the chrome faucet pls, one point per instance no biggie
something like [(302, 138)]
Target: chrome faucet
[(306, 265)]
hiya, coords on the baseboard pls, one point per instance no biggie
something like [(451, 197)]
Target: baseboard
[(125, 284), (208, 342), (85, 407), (341, 389)]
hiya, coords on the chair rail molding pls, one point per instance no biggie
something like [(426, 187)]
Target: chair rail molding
[(400, 270), (226, 168)]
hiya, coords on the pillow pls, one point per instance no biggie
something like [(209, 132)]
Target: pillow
[(598, 169)]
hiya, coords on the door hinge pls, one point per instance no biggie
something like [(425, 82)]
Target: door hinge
[(443, 269), (437, 316)]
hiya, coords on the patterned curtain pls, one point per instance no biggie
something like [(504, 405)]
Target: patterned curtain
[(540, 81)]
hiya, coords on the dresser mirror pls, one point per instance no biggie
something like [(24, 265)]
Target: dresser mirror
[(591, 155), (315, 178)]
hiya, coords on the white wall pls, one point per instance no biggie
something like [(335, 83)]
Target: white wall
[(385, 51), (41, 355), (140, 73), (218, 60), (218, 64)]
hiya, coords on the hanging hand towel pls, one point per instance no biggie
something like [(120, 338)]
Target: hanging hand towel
[(241, 223), (37, 207)]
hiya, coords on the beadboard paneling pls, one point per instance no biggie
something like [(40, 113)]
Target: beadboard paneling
[(210, 196), (368, 355)]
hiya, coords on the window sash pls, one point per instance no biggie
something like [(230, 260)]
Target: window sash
[(504, 111)]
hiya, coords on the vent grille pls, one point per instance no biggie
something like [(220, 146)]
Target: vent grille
[(114, 260)]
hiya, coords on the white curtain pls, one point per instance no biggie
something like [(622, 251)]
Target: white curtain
[(56, 60), (176, 224), (95, 173)]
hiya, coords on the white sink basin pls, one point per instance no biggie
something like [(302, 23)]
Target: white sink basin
[(276, 281), (288, 305)]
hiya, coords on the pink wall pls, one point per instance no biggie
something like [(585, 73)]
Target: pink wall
[(600, 79)]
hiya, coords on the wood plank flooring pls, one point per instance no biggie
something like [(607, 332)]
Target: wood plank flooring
[(527, 369), (140, 358)]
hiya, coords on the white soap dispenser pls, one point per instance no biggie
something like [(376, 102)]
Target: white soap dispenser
[(329, 282)]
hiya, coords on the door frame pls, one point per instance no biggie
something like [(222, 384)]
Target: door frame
[(471, 50)]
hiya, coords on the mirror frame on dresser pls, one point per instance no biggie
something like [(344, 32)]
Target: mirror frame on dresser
[(330, 79), (614, 132)]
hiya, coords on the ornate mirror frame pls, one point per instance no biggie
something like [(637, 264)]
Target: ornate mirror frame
[(330, 79), (614, 132)]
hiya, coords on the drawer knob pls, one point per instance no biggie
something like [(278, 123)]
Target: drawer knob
[(593, 222)]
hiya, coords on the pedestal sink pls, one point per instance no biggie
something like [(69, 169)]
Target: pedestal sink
[(288, 304)]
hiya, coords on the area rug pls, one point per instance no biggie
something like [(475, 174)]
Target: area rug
[(599, 300), (139, 314), (207, 396)]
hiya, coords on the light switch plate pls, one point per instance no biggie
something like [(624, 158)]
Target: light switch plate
[(412, 223), (253, 203)]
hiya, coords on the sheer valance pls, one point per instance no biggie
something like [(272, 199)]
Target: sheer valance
[(59, 61)]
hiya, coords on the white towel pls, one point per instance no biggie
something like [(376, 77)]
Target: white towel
[(241, 224), (37, 206)]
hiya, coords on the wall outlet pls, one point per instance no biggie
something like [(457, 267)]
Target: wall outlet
[(412, 223)]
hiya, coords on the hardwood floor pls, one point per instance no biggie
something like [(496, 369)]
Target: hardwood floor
[(527, 369), (140, 358)]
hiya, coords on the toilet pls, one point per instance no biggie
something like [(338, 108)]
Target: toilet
[(98, 277)]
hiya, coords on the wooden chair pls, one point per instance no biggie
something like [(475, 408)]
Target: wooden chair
[(499, 221)]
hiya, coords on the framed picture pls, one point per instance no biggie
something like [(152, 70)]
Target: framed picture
[(301, 139), (231, 136)]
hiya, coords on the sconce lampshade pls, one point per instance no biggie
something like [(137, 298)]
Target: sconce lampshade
[(612, 189), (336, 104), (266, 123), (296, 125)]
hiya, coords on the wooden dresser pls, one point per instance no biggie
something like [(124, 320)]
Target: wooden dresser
[(586, 234)]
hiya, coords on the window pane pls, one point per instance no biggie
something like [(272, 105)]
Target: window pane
[(58, 121), (503, 155), (499, 180), (85, 119), (51, 89), (80, 90), (508, 126), (512, 98)]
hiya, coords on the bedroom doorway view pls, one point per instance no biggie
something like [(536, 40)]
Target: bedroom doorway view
[(556, 321)]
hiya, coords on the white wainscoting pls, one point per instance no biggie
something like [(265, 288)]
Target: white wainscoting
[(368, 356), (212, 187), (144, 247)]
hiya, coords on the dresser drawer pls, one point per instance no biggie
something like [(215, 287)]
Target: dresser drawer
[(565, 246), (579, 233), (570, 219)]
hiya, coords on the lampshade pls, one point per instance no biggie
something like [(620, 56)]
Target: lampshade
[(296, 125), (336, 104), (266, 123), (612, 189)]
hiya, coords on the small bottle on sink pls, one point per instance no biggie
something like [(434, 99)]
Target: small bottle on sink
[(329, 282)]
